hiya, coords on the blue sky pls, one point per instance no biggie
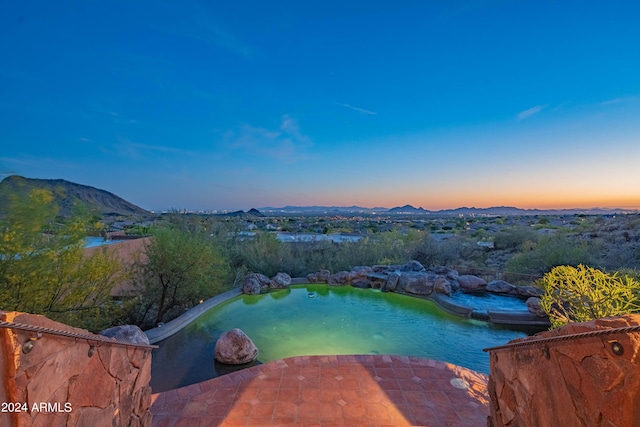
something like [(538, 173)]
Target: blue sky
[(233, 105)]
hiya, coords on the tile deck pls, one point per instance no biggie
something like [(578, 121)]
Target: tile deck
[(366, 390)]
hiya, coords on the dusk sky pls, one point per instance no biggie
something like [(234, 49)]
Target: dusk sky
[(239, 104)]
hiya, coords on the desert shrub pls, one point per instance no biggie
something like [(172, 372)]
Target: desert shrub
[(182, 268), (44, 268), (552, 251), (513, 238), (579, 294)]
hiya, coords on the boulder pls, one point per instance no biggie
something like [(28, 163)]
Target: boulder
[(234, 347), (391, 282), (362, 283), (377, 279), (529, 291), (442, 285), (127, 333), (533, 304), (453, 275), (280, 281), (412, 265), (323, 275), (417, 283), (381, 268), (361, 271), (470, 283), (339, 279), (255, 283), (500, 287), (312, 278), (439, 270)]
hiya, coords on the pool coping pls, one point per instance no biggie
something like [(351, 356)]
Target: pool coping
[(164, 331)]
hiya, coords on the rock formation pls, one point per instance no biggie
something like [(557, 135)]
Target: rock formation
[(280, 281), (234, 347), (413, 278)]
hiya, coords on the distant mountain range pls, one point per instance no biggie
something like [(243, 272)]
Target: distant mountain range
[(411, 210), (67, 194)]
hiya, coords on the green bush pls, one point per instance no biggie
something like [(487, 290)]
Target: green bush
[(579, 294), (552, 251)]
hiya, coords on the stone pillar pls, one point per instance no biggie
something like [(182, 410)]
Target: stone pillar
[(64, 381), (591, 381)]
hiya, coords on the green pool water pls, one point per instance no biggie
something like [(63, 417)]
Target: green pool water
[(322, 320)]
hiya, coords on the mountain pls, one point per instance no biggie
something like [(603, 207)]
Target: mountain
[(407, 209), (68, 194), (322, 210), (250, 213), (465, 211)]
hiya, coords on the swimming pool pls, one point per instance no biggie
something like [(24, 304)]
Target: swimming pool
[(319, 320)]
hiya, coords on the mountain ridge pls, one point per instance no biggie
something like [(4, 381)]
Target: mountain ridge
[(67, 194)]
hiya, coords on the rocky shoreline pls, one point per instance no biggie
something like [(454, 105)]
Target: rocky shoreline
[(412, 278)]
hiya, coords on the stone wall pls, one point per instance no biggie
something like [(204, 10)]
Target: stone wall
[(592, 381), (65, 381)]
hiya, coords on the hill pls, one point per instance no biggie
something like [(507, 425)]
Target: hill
[(407, 209), (68, 194)]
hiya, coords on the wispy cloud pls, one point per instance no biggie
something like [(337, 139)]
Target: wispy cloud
[(286, 143), (617, 100), (531, 111), (200, 23), (359, 110), (127, 148)]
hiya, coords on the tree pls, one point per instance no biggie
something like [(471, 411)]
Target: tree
[(182, 268), (43, 269), (579, 294)]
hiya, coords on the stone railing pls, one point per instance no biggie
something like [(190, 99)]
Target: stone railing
[(585, 374), (55, 375)]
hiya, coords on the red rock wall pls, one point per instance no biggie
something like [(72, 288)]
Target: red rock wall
[(577, 382), (60, 384)]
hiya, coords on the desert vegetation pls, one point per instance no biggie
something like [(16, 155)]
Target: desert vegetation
[(193, 257)]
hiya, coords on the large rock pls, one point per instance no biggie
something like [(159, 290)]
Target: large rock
[(529, 291), (470, 283), (255, 283), (362, 283), (443, 286), (361, 271), (339, 279), (234, 347), (323, 276), (417, 283), (391, 282), (127, 333), (533, 304), (280, 281), (440, 270), (412, 265), (500, 287)]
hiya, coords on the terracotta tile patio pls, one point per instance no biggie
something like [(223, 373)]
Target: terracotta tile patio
[(368, 390)]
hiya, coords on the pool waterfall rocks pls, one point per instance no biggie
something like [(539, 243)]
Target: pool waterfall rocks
[(292, 317)]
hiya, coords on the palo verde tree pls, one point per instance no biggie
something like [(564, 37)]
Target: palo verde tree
[(579, 294), (182, 267), (43, 266)]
